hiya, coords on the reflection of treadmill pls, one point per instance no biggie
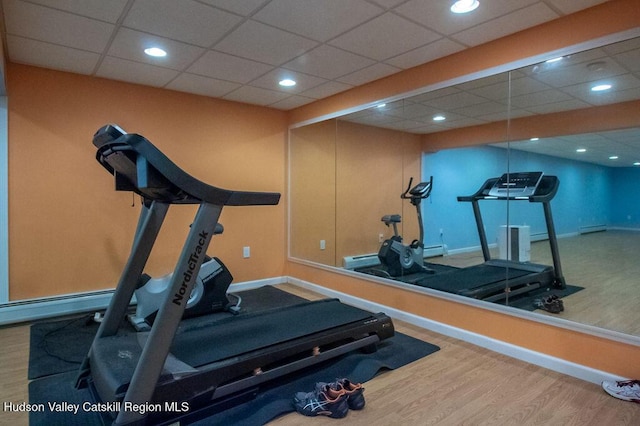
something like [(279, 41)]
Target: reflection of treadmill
[(496, 279), (201, 366)]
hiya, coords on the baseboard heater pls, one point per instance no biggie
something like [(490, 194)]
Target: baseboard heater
[(371, 259), (592, 228)]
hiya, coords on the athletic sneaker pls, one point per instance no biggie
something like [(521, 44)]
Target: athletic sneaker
[(628, 390), (354, 391), (323, 401)]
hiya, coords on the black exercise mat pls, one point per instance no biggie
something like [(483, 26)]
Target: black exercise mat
[(61, 346), (527, 301), (273, 400)]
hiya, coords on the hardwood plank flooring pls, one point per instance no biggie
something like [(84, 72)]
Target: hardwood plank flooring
[(461, 384)]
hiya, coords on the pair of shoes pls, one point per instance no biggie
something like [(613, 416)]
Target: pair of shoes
[(330, 399), (551, 304), (627, 390)]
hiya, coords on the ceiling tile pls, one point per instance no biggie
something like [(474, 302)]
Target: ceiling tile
[(202, 85), (368, 74), (135, 72), (101, 10), (255, 95), (428, 53), (506, 24), (47, 55), (438, 16), (244, 7), (53, 26), (326, 89), (319, 20), (227, 67), (570, 6), (328, 62), (130, 44), (372, 39), (186, 20), (262, 43)]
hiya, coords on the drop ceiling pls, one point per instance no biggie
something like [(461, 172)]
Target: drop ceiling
[(240, 49)]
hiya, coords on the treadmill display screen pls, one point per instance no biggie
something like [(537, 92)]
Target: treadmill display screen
[(523, 184)]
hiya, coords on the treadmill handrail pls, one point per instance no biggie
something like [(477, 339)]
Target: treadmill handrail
[(546, 190), (148, 172)]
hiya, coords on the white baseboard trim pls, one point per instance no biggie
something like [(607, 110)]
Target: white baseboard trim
[(36, 309), (552, 363)]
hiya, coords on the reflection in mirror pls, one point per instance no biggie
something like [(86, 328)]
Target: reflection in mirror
[(589, 139)]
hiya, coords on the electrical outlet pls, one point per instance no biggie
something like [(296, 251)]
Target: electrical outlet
[(323, 244), (380, 238), (246, 252)]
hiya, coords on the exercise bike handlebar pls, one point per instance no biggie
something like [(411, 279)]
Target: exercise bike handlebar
[(418, 192)]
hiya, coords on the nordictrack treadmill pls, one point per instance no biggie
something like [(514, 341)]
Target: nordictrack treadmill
[(172, 372), (520, 277)]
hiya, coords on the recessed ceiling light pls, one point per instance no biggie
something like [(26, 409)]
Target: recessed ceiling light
[(613, 157), (156, 52), (581, 150), (601, 87), (287, 82), (465, 6), (439, 118)]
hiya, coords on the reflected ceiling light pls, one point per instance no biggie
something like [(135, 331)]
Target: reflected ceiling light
[(381, 105), (465, 6), (637, 163), (581, 150), (439, 118), (550, 61), (534, 139), (287, 82), (156, 52), (601, 87), (613, 157)]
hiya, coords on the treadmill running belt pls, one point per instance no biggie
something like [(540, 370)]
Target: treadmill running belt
[(243, 334), (470, 278)]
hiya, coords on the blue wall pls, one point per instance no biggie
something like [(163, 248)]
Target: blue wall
[(589, 194)]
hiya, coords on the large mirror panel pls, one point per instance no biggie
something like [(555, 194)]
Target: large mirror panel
[(544, 117)]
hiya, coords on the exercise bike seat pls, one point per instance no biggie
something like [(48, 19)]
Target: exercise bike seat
[(140, 167), (391, 218)]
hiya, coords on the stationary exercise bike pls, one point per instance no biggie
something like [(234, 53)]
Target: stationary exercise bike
[(399, 258), (209, 293)]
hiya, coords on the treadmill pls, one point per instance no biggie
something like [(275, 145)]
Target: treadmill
[(498, 279), (157, 377)]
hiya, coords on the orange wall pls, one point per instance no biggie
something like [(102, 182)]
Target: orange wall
[(69, 231)]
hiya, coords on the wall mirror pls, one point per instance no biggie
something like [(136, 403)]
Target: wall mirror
[(348, 172)]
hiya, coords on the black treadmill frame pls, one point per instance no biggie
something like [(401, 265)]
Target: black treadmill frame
[(544, 193), (140, 167)]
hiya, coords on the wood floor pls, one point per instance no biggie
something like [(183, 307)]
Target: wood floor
[(459, 385), (604, 263)]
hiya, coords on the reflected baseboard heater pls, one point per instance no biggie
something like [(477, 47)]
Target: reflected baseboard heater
[(592, 228), (367, 260)]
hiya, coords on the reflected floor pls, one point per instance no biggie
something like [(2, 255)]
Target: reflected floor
[(606, 264)]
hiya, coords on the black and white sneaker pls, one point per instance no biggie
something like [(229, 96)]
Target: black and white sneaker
[(627, 390), (323, 401)]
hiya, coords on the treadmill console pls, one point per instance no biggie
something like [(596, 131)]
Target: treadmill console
[(523, 184)]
